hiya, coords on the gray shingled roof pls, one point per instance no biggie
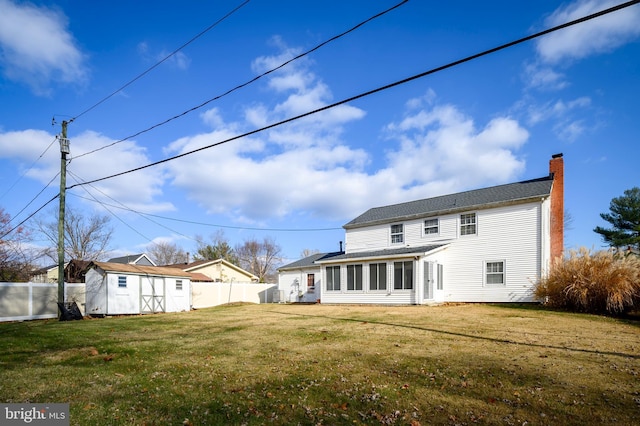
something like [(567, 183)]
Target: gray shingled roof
[(469, 200), (309, 260), (385, 252)]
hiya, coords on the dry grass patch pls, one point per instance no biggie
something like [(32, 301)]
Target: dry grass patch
[(318, 364)]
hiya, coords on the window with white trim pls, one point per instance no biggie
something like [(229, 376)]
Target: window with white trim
[(494, 272), (377, 276), (468, 224), (122, 281), (431, 227), (178, 284), (354, 277), (333, 278), (403, 275), (397, 234)]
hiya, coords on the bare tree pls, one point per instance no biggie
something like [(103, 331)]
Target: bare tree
[(164, 253), (308, 252), (85, 238), (218, 249), (15, 259), (260, 258)]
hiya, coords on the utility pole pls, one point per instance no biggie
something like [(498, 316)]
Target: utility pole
[(64, 150)]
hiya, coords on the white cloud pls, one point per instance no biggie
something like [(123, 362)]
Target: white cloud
[(305, 167), (138, 191), (36, 48), (599, 35)]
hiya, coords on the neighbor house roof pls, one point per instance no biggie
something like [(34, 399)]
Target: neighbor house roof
[(130, 258), (385, 253), (469, 200), (199, 264), (140, 269), (309, 260)]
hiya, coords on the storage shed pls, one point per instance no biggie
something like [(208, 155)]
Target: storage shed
[(120, 289)]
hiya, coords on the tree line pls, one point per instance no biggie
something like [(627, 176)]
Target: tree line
[(89, 237)]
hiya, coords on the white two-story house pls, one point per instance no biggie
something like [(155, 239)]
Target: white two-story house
[(485, 245)]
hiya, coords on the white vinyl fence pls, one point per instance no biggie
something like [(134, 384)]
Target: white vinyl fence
[(207, 294), (27, 301)]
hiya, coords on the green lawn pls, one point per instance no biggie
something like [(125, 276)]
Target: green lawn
[(318, 364)]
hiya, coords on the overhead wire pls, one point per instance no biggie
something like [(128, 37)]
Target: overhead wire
[(74, 177), (361, 95), (28, 169), (214, 225), (123, 207), (200, 34), (28, 217), (37, 195), (377, 90), (240, 86)]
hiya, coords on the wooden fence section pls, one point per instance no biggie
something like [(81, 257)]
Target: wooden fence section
[(27, 301)]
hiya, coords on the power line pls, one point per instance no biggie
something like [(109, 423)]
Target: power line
[(182, 114), (37, 195), (161, 61), (29, 169), (28, 217), (379, 89), (73, 176), (123, 207), (213, 225)]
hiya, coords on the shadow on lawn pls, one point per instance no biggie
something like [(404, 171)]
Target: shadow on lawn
[(469, 336)]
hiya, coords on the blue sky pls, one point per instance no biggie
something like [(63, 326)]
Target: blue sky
[(494, 120)]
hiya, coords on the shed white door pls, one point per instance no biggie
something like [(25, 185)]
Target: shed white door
[(152, 294)]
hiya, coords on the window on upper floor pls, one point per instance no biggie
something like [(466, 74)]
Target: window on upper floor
[(494, 273), (354, 277), (397, 234), (468, 224), (431, 227), (403, 275), (333, 278), (377, 276)]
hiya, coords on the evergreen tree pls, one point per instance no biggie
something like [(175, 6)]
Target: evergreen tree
[(624, 217)]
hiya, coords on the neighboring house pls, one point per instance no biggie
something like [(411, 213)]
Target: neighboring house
[(300, 281), (75, 270), (218, 270), (48, 274), (121, 288), (485, 245), (134, 259)]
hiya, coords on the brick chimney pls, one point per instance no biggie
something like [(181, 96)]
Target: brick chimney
[(556, 170)]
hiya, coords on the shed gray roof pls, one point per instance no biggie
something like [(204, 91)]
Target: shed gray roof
[(469, 200), (309, 260), (385, 252)]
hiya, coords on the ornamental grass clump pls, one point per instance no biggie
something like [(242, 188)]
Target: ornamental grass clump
[(594, 282)]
